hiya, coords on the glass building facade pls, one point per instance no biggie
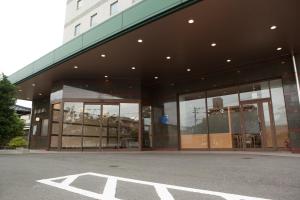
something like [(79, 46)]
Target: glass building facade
[(250, 111)]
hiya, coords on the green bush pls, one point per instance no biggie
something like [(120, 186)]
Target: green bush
[(17, 142)]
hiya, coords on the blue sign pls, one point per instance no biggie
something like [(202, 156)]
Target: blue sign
[(164, 119)]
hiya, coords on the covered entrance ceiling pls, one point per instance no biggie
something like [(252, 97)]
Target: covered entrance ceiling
[(241, 31)]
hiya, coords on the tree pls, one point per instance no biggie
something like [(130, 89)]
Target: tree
[(10, 124)]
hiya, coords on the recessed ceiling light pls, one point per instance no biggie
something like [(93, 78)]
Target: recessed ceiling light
[(279, 49), (40, 94), (191, 21), (105, 76), (28, 98), (133, 68), (188, 70), (155, 77), (273, 27), (75, 67), (228, 60), (213, 44), (282, 62), (140, 41), (33, 84), (168, 57), (103, 55)]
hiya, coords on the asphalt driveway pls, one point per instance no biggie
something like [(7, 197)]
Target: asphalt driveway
[(148, 175)]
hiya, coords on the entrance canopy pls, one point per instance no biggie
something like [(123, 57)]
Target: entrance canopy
[(166, 41)]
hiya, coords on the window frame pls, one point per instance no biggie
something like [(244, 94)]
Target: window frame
[(76, 30), (92, 18), (115, 3)]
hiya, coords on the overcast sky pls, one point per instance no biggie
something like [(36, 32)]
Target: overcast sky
[(29, 30)]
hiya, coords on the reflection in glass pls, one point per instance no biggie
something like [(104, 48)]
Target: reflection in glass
[(193, 124), (91, 142), (147, 133), (54, 142), (129, 125), (72, 126), (71, 142), (110, 123), (268, 137), (224, 118), (73, 113), (56, 115), (55, 129), (254, 91), (279, 111), (55, 124), (72, 129), (44, 131), (252, 126)]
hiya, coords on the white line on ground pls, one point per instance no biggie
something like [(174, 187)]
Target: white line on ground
[(111, 187)]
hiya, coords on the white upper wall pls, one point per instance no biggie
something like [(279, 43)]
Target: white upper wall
[(87, 9)]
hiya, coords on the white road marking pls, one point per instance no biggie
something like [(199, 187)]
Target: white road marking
[(163, 192), (111, 187)]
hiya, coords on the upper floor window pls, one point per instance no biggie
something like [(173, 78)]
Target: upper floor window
[(77, 30), (93, 20), (114, 8), (79, 4)]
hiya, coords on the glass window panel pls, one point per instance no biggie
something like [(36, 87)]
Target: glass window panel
[(79, 4), (45, 123), (91, 142), (92, 115), (268, 138), (70, 129), (147, 133), (93, 20), (73, 113), (56, 115), (91, 130), (71, 142), (54, 142), (193, 124), (252, 126), (55, 129), (254, 91), (110, 123), (77, 30), (281, 124), (223, 117), (129, 125), (114, 8), (56, 106)]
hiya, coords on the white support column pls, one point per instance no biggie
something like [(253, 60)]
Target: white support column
[(296, 75)]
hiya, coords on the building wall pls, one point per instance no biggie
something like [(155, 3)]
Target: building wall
[(164, 100), (89, 8), (39, 137)]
